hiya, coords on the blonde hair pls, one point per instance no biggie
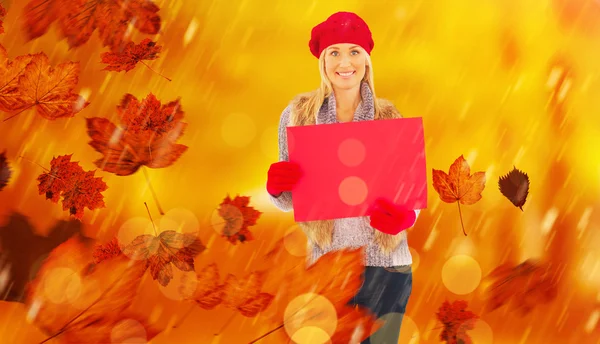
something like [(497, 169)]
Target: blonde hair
[(315, 99)]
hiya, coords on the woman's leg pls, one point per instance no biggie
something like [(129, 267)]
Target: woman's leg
[(385, 292)]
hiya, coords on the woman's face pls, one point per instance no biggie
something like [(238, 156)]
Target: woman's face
[(345, 65)]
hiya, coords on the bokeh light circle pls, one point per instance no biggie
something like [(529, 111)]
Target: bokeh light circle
[(133, 228), (482, 333), (62, 285), (409, 332), (180, 220), (305, 313), (128, 331), (353, 190), (351, 152), (181, 287), (461, 274), (238, 129), (295, 241)]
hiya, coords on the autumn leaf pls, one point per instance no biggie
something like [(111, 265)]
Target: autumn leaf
[(78, 188), (159, 252), (238, 216), (22, 250), (146, 137), (77, 20), (4, 171), (209, 291), (515, 187), (457, 320), (71, 297), (2, 15), (10, 72), (133, 53), (244, 295), (107, 251), (523, 286), (49, 90), (459, 185)]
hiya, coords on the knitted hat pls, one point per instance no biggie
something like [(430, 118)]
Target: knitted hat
[(340, 27)]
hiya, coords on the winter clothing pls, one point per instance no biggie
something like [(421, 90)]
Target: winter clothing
[(340, 27), (332, 235)]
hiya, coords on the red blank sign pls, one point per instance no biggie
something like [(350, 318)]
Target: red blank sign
[(347, 166)]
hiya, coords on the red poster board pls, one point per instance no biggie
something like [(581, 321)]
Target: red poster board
[(347, 166)]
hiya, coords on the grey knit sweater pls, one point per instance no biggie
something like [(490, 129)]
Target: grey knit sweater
[(350, 232)]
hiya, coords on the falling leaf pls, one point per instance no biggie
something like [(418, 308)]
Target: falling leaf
[(354, 324), (238, 217), (2, 15), (457, 320), (22, 251), (77, 20), (244, 295), (78, 188), (523, 287), (147, 136), (4, 171), (459, 185), (515, 187), (74, 297), (107, 251), (10, 73), (209, 291), (159, 252), (127, 59)]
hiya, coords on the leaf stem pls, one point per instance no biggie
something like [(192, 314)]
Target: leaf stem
[(23, 109), (152, 191), (144, 63), (153, 226), (33, 162), (226, 324), (461, 219)]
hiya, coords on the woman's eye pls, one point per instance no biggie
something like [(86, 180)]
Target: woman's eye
[(334, 53), (354, 52)]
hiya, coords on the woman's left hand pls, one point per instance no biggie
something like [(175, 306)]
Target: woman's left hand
[(390, 218)]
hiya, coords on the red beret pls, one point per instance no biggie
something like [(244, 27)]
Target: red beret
[(340, 27)]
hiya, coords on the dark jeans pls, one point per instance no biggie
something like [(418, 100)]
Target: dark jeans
[(385, 293)]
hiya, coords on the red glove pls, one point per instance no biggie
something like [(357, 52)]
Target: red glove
[(390, 218), (282, 176)]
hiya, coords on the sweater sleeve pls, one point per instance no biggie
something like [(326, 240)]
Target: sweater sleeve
[(284, 200)]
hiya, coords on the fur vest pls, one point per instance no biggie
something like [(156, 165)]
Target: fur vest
[(320, 232)]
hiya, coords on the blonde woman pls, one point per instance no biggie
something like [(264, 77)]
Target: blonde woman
[(343, 44)]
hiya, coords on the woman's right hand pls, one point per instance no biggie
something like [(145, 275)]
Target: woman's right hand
[(282, 176)]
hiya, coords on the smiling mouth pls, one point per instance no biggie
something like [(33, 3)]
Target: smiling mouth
[(345, 74)]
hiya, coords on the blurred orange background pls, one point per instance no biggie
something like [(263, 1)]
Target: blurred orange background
[(505, 83)]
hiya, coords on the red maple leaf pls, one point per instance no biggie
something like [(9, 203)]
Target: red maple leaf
[(147, 136), (238, 217), (77, 20), (2, 14), (456, 320), (133, 53), (4, 171), (78, 188), (169, 247), (106, 251)]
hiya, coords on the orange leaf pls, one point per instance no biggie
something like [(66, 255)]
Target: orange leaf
[(245, 295), (78, 188), (209, 292), (238, 217), (4, 171), (459, 185), (522, 287), (2, 14), (457, 320), (78, 19), (168, 248), (127, 59), (107, 251), (49, 90), (354, 325), (71, 294), (10, 71), (147, 136)]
